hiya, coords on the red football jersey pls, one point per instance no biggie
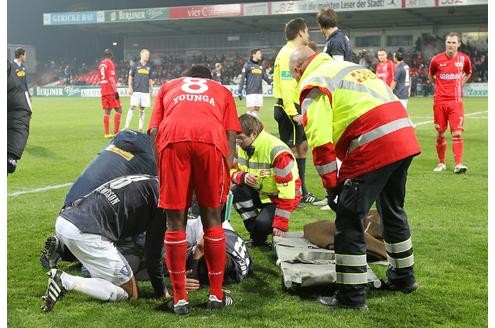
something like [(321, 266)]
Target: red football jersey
[(385, 71), (108, 78), (194, 109), (448, 73)]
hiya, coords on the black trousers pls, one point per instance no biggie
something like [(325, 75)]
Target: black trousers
[(386, 186), (257, 217)]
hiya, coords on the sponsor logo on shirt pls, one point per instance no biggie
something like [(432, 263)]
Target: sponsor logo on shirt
[(286, 75), (125, 154), (446, 76), (21, 73), (255, 71), (144, 71), (363, 75), (265, 173)]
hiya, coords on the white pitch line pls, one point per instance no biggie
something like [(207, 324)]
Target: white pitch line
[(470, 114), (30, 191)]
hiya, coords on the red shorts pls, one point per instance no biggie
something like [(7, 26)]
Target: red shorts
[(451, 113), (185, 167), (109, 102)]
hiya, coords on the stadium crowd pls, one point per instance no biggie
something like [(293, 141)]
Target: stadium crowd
[(167, 67)]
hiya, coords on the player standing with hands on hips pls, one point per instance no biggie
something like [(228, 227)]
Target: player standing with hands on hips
[(449, 71)]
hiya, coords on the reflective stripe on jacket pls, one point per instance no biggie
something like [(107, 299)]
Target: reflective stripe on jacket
[(352, 115)]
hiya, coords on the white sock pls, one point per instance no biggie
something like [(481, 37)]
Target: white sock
[(129, 118), (141, 119), (94, 287)]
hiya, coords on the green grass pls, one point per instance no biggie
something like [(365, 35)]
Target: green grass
[(448, 217)]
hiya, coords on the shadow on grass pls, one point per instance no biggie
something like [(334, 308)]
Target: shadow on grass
[(40, 151)]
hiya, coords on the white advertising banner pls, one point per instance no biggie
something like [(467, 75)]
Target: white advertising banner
[(302, 7), (255, 9)]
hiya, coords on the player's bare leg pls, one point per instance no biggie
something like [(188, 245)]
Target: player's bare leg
[(176, 249)]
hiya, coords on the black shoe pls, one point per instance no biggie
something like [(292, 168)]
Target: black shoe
[(406, 289), (55, 290), (251, 243), (51, 253), (215, 304), (334, 303), (309, 198), (180, 308)]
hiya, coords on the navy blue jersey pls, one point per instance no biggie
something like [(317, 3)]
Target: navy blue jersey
[(20, 71), (128, 153), (238, 254), (121, 208), (141, 75), (338, 46), (252, 77), (18, 114), (402, 78)]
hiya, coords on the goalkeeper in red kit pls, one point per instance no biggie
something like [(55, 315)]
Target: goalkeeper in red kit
[(193, 129)]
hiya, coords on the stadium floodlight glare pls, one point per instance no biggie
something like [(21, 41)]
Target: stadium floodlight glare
[(114, 43)]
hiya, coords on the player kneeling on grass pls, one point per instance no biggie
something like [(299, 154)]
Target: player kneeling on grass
[(90, 226), (267, 186)]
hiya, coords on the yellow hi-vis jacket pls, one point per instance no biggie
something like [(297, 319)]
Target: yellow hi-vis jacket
[(284, 85), (346, 106), (285, 195)]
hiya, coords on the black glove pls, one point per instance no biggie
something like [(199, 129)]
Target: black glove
[(240, 96), (117, 96), (332, 197), (11, 164)]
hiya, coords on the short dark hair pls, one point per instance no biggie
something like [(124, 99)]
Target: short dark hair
[(327, 18), (200, 71), (108, 53), (458, 35), (399, 56), (385, 50), (254, 51), (19, 52), (293, 27), (250, 124)]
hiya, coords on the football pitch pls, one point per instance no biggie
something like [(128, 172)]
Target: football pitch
[(448, 215)]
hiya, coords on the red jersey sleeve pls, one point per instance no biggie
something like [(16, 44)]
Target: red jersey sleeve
[(230, 119), (433, 67), (158, 109), (467, 65)]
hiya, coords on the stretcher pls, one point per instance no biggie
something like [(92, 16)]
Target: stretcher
[(304, 264)]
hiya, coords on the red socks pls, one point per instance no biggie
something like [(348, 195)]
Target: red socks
[(441, 148), (457, 148), (215, 256), (116, 122), (176, 249), (106, 123)]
